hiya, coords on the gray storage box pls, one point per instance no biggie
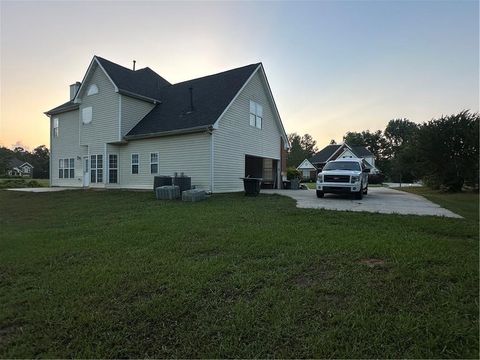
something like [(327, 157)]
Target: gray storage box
[(168, 192), (193, 195)]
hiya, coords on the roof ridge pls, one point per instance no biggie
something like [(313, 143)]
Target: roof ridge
[(219, 73), (113, 63)]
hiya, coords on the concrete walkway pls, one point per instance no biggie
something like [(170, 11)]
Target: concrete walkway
[(379, 200), (43, 189)]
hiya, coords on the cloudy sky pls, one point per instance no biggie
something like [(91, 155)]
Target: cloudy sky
[(334, 66)]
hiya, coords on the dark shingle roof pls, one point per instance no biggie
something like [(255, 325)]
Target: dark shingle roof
[(69, 105), (324, 154), (14, 162), (361, 151), (145, 82), (211, 95)]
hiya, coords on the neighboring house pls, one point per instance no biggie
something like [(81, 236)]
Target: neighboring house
[(307, 169), (122, 127), (16, 167), (337, 151)]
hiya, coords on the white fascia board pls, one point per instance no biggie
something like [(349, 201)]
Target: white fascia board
[(119, 117), (278, 118), (215, 125), (340, 148), (94, 61), (26, 163), (306, 165)]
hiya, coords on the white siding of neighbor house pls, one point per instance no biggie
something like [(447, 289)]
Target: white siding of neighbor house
[(133, 110), (347, 154), (66, 146), (104, 127), (306, 165), (189, 153), (235, 138)]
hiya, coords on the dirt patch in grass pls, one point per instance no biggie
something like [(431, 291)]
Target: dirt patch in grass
[(7, 330), (315, 274), (372, 262)]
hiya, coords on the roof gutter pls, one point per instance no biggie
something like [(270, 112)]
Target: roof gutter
[(196, 129), (66, 109), (137, 96)]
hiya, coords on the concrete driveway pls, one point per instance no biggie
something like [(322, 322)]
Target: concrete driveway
[(379, 200)]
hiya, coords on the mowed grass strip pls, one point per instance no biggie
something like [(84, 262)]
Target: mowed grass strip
[(111, 274)]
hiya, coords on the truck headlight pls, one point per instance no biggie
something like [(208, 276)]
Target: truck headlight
[(320, 178), (355, 179)]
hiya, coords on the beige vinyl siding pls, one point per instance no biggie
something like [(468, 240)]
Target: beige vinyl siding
[(104, 127), (188, 153), (66, 146), (235, 138), (133, 110)]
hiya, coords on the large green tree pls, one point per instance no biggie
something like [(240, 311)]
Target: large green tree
[(39, 158), (301, 148), (373, 141), (448, 151)]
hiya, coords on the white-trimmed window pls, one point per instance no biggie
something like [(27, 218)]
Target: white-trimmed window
[(92, 90), (154, 163), (87, 115), (112, 168), (96, 168), (66, 168), (135, 163), (256, 114), (55, 127)]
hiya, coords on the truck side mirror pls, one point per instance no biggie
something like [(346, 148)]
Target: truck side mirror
[(366, 170)]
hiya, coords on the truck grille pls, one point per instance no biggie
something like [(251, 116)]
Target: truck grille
[(337, 178)]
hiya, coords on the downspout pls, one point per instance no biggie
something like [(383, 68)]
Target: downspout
[(212, 159), (50, 157)]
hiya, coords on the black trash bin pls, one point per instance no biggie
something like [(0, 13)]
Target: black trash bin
[(252, 186)]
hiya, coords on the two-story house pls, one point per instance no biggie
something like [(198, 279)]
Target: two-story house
[(121, 127)]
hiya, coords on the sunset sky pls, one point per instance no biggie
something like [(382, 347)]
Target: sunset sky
[(334, 66)]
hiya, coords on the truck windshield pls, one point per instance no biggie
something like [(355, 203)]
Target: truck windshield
[(342, 165)]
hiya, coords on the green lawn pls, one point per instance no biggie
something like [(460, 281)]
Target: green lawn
[(119, 274)]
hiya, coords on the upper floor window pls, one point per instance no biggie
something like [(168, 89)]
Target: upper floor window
[(87, 115), (154, 163), (92, 90), (55, 127), (256, 114)]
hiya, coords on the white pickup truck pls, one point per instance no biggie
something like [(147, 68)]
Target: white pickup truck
[(345, 176)]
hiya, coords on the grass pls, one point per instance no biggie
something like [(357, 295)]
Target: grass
[(464, 203), (119, 274)]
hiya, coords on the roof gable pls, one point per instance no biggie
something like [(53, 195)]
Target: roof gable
[(323, 155), (143, 83), (306, 165)]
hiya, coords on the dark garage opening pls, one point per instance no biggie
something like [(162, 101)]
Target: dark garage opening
[(264, 168)]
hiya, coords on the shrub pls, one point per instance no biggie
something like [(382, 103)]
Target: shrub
[(293, 173), (376, 178)]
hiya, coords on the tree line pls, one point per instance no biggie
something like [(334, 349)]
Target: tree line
[(442, 152), (39, 158)]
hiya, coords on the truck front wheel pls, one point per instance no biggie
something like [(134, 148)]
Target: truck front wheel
[(320, 194)]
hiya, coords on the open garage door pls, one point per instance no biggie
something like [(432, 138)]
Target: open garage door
[(264, 168)]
